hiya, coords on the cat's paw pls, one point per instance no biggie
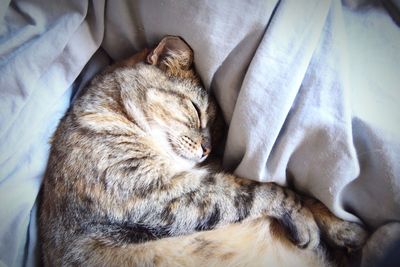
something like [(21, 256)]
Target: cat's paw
[(334, 230), (346, 234), (301, 228)]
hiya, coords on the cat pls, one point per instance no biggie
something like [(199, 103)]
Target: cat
[(128, 184)]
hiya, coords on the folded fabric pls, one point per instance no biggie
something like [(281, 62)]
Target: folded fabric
[(43, 48)]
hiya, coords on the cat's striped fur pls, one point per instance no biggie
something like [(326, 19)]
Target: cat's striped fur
[(125, 169)]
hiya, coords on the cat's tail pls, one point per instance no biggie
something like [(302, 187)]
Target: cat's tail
[(247, 244)]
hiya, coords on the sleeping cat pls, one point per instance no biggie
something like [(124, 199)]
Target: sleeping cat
[(127, 184)]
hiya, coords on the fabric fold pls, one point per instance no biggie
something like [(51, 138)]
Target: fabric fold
[(271, 85), (40, 72)]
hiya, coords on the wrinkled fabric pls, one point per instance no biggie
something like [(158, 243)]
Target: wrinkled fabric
[(43, 47), (309, 89)]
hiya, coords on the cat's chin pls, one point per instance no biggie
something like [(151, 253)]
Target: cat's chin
[(183, 164), (202, 159), (195, 159)]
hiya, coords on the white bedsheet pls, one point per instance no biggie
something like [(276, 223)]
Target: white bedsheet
[(310, 91)]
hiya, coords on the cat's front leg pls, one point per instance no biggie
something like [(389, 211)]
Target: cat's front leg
[(191, 202)]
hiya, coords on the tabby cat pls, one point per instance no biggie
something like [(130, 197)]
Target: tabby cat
[(126, 183)]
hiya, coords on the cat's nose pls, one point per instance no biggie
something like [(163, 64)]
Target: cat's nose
[(206, 146)]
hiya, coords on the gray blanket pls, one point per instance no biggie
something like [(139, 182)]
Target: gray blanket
[(309, 88)]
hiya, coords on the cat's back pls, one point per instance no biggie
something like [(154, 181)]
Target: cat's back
[(94, 135)]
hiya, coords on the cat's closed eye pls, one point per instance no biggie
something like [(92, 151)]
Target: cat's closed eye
[(196, 107)]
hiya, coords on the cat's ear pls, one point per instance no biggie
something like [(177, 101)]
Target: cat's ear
[(172, 54)]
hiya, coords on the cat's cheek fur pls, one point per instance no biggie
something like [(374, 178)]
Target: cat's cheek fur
[(161, 142)]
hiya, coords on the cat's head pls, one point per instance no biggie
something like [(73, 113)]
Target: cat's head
[(167, 99)]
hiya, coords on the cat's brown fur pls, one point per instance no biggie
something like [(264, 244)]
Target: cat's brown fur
[(124, 170)]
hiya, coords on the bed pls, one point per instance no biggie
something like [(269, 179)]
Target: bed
[(310, 90)]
